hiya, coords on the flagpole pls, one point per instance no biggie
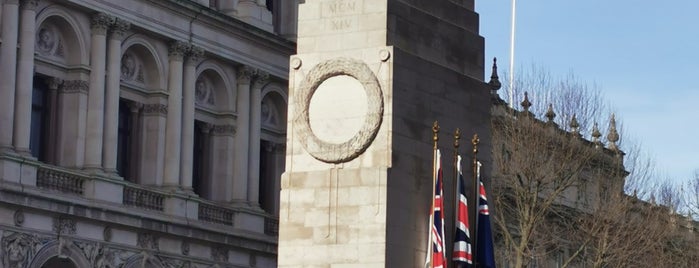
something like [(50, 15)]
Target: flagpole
[(435, 139), (512, 53), (457, 137), (474, 236)]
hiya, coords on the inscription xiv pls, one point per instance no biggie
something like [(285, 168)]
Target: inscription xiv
[(338, 13)]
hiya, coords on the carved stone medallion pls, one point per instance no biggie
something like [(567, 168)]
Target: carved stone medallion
[(340, 130)]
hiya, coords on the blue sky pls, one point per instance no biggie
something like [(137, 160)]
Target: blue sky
[(643, 55)]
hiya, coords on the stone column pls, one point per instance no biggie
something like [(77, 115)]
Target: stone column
[(220, 156), (95, 105), (111, 102), (72, 118), (52, 152), (254, 142), (173, 127), (8, 61), (188, 100), (25, 77), (242, 136)]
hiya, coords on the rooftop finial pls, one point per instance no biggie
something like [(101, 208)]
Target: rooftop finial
[(550, 114), (596, 135), (494, 79), (525, 103), (574, 126), (613, 135)]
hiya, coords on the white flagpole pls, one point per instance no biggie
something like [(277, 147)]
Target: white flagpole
[(512, 53)]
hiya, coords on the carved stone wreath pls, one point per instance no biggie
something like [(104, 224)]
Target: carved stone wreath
[(355, 146)]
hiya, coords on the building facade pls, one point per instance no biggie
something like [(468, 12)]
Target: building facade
[(142, 133)]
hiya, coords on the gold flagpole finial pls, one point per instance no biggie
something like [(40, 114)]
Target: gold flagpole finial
[(475, 142), (435, 132), (457, 137)]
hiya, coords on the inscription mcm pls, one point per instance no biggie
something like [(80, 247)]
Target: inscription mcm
[(339, 8)]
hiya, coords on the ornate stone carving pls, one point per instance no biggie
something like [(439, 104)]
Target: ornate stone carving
[(28, 4), (269, 114), (119, 28), (147, 241), (18, 249), (19, 217), (74, 86), (155, 108), (100, 23), (47, 39), (228, 130), (174, 263), (131, 67), (355, 146), (203, 92), (63, 226), (107, 233), (99, 255), (245, 73), (55, 83), (261, 78), (177, 50), (194, 54), (219, 254)]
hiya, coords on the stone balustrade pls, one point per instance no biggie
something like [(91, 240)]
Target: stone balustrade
[(143, 198), (83, 186), (64, 181)]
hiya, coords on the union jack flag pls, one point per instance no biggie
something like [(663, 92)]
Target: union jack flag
[(485, 254), (462, 240), (437, 233)]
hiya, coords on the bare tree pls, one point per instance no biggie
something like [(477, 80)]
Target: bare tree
[(552, 188)]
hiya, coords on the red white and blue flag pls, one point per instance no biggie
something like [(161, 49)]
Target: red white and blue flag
[(437, 216), (462, 240), (485, 254)]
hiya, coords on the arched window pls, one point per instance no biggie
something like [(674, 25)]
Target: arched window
[(43, 117)]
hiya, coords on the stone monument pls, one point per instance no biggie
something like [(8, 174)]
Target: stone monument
[(369, 80)]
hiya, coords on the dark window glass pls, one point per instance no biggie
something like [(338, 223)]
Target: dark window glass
[(39, 123), (265, 172), (124, 140), (198, 159)]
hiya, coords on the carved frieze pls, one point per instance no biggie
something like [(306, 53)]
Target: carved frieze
[(64, 226), (147, 241), (18, 249), (155, 108), (219, 254), (74, 86), (226, 130)]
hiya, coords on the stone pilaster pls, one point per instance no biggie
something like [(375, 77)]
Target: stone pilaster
[(25, 77), (8, 63), (95, 105), (173, 127), (111, 103), (222, 149), (189, 87), (72, 114), (261, 80), (240, 159)]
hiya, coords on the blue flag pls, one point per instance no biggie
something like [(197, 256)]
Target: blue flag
[(485, 253)]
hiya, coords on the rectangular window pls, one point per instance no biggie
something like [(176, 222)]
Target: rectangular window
[(124, 140), (38, 136)]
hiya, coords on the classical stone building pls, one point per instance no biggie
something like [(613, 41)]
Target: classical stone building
[(142, 133)]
